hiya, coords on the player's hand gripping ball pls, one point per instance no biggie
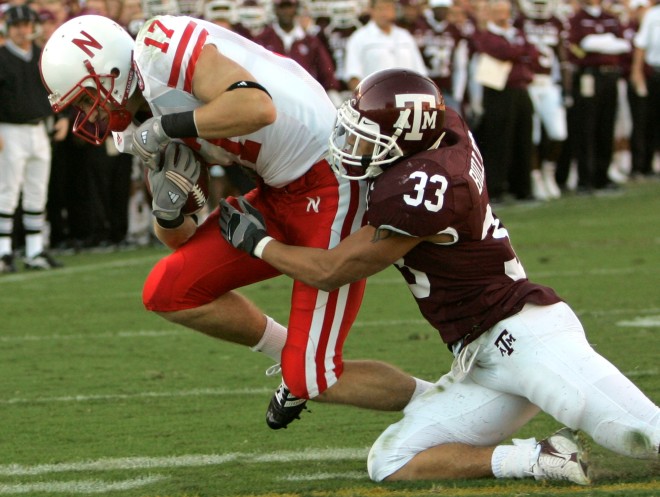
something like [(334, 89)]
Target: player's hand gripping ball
[(180, 184)]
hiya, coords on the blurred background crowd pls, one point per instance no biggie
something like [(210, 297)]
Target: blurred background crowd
[(550, 89)]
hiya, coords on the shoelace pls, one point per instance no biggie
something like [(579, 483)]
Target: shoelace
[(274, 369)]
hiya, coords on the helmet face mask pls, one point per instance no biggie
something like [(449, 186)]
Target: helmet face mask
[(391, 114), (357, 146)]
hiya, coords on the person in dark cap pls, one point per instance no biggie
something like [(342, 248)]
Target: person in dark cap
[(25, 151)]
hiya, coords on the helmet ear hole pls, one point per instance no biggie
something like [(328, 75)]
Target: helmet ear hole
[(115, 72)]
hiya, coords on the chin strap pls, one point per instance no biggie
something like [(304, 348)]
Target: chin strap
[(118, 120), (437, 142)]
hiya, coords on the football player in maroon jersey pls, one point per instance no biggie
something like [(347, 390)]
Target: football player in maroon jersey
[(518, 347)]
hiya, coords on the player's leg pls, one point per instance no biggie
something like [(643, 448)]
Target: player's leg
[(35, 192), (194, 286), (539, 190), (542, 354), (456, 429), (553, 117), (452, 431), (321, 211), (13, 155)]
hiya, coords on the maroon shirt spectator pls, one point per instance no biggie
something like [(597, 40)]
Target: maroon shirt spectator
[(288, 38), (510, 45)]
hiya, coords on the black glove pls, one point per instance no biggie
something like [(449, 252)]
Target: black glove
[(244, 230)]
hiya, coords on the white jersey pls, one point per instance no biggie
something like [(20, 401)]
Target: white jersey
[(167, 49)]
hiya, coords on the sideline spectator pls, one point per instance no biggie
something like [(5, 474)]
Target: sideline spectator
[(596, 41), (344, 20), (551, 80), (286, 37), (444, 52), (381, 44), (505, 133), (25, 151), (645, 80)]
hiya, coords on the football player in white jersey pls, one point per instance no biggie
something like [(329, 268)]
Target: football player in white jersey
[(231, 101), (546, 32), (518, 347)]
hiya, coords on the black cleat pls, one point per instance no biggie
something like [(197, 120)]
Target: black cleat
[(284, 408), (41, 262), (7, 264)]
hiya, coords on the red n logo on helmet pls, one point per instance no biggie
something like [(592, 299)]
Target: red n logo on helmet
[(86, 44)]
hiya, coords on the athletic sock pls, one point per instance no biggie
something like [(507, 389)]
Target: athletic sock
[(514, 461), (272, 341)]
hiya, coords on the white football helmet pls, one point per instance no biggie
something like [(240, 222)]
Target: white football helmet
[(538, 9), (317, 9), (252, 14), (90, 55), (152, 8), (221, 10), (344, 13)]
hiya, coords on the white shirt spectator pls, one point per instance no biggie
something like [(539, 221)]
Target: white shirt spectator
[(370, 49), (648, 36)]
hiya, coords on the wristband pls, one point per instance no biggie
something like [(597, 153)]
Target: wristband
[(261, 245), (170, 224), (180, 125)]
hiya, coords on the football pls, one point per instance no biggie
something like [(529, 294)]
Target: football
[(199, 195)]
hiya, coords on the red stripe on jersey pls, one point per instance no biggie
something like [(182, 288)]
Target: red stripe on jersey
[(248, 151), (352, 209), (180, 52), (322, 346), (190, 70)]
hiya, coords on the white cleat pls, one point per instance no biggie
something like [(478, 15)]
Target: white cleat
[(561, 458)]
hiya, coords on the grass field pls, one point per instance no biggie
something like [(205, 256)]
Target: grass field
[(99, 397)]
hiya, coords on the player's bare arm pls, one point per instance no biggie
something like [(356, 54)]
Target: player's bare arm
[(228, 113), (364, 253)]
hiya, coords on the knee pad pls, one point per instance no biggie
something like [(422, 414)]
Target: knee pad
[(154, 295), (391, 452)]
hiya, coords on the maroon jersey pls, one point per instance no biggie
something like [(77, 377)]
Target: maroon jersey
[(308, 51), (516, 49), (437, 41), (583, 24), (335, 40), (466, 287), (548, 36)]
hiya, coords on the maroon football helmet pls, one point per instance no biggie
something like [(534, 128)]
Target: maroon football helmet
[(391, 114)]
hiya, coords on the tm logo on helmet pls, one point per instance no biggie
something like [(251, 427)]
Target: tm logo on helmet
[(422, 119)]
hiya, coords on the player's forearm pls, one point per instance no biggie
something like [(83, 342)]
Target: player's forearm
[(229, 116), (314, 267), (174, 238)]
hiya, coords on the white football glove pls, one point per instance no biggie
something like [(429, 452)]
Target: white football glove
[(148, 140), (171, 185)]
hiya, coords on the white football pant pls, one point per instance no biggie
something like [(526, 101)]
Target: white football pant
[(539, 357)]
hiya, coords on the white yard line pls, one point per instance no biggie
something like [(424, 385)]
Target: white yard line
[(197, 392), (69, 270), (641, 322), (348, 475), (638, 321), (91, 336), (84, 487), (189, 460)]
